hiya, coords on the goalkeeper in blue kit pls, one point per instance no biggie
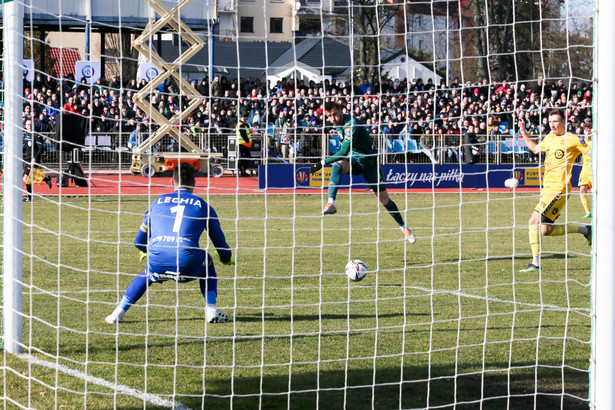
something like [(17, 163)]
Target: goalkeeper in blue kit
[(357, 155), (169, 236)]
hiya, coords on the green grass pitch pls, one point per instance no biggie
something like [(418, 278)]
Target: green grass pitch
[(447, 320)]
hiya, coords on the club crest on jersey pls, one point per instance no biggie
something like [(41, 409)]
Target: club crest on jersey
[(559, 154), (347, 132)]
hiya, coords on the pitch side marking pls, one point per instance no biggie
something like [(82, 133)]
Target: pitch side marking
[(425, 290), (119, 388)]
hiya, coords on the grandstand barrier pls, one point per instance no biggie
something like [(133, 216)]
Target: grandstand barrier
[(110, 150), (412, 176)]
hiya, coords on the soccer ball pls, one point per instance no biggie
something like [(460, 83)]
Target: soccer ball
[(511, 183), (356, 270)]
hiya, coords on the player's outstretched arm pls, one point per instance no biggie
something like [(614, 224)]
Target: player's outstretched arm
[(141, 239), (217, 238), (341, 154), (531, 144)]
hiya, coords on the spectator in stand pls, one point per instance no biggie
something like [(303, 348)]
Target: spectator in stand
[(136, 137), (406, 104), (115, 83), (451, 147), (365, 87), (427, 142), (217, 90), (471, 149), (42, 123), (33, 144), (203, 87)]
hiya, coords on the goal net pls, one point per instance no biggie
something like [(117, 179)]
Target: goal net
[(282, 107)]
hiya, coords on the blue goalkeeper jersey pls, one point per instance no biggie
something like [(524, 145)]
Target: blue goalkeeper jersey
[(172, 227)]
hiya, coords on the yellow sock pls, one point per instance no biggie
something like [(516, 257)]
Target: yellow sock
[(534, 240), (585, 202), (564, 229)]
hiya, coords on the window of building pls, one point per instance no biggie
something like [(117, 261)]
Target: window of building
[(275, 25), (247, 25)]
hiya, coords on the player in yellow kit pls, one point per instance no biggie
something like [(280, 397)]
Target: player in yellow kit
[(585, 178), (561, 150)]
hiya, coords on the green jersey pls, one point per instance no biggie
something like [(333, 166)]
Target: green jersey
[(356, 142)]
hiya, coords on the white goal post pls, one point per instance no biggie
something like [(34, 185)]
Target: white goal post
[(603, 259), (449, 321)]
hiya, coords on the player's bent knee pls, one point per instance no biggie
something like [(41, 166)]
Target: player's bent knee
[(546, 230)]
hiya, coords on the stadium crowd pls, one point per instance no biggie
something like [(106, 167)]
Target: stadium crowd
[(295, 109)]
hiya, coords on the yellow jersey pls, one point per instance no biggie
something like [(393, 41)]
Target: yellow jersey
[(561, 153), (587, 157)]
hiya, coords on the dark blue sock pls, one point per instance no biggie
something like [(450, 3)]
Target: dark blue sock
[(135, 290), (209, 286)]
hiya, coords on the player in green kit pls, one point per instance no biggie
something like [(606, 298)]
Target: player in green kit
[(356, 156)]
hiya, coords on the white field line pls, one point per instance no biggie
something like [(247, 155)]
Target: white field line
[(119, 388), (421, 289)]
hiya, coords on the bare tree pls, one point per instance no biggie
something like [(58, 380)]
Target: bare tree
[(32, 50), (121, 58), (521, 39), (368, 19)]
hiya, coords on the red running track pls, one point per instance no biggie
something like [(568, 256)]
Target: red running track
[(128, 184)]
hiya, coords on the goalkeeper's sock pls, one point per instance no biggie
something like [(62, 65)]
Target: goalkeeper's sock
[(125, 303), (209, 286), (535, 244), (135, 290), (585, 202), (394, 212), (331, 201), (335, 180), (559, 230)]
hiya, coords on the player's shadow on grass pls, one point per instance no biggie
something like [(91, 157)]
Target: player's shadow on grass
[(324, 316), (510, 258)]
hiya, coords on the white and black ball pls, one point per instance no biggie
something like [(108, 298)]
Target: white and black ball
[(356, 270)]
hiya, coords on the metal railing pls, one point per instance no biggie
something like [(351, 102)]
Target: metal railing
[(110, 150)]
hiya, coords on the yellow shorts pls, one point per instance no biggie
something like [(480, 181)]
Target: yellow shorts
[(551, 204), (585, 178)]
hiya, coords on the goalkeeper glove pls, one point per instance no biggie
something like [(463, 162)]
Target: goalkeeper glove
[(230, 262), (316, 167), (142, 255)]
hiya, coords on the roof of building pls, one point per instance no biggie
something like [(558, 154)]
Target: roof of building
[(251, 60), (247, 59), (64, 60)]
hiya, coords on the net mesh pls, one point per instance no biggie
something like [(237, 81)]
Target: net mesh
[(438, 86)]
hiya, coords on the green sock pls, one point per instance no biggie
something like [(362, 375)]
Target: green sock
[(394, 211), (335, 179)]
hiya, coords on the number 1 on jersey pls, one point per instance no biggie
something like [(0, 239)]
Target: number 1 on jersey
[(179, 214)]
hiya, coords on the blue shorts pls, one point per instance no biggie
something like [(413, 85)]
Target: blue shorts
[(162, 273)]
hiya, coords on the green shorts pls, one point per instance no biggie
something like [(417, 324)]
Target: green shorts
[(371, 172)]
